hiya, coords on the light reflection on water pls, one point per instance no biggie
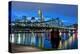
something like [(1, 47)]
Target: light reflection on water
[(69, 43)]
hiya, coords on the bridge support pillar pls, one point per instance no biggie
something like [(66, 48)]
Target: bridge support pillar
[(55, 39)]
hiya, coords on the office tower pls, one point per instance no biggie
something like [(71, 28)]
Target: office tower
[(41, 19), (40, 15)]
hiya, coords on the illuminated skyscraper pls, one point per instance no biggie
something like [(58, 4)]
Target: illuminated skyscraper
[(40, 15)]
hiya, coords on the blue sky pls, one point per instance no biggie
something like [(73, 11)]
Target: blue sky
[(66, 13)]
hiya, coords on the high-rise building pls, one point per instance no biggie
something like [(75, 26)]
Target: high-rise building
[(40, 15), (24, 18)]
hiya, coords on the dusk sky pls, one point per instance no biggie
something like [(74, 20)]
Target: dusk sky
[(66, 13)]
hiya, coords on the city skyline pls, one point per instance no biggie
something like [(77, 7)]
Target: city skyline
[(42, 27), (66, 13)]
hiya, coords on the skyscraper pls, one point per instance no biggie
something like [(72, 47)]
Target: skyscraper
[(40, 15)]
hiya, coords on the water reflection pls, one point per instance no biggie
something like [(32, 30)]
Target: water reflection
[(43, 40)]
